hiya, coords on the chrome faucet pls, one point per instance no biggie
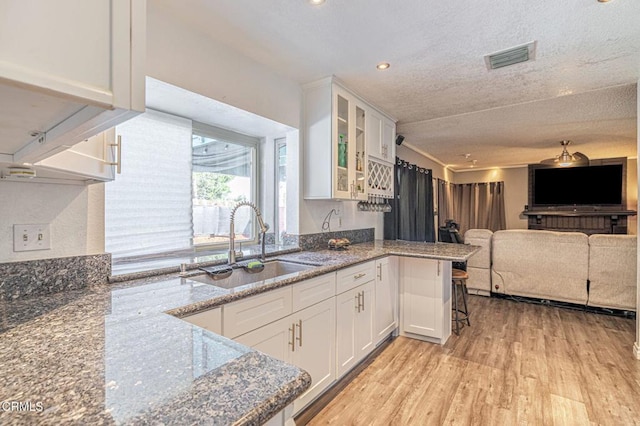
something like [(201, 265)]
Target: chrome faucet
[(232, 235)]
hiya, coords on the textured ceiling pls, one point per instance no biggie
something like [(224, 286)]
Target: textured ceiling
[(438, 87)]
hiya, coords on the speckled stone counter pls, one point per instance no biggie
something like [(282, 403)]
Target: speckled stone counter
[(110, 355), (118, 355)]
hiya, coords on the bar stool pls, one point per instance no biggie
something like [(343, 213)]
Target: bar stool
[(460, 314)]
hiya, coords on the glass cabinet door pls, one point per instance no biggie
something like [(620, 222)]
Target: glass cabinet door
[(343, 162), (360, 158)]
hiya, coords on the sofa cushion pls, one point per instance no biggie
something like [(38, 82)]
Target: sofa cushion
[(612, 271), (541, 264), (482, 238)]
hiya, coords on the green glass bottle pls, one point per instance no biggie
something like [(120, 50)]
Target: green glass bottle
[(342, 151)]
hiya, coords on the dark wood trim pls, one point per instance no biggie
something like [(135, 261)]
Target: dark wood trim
[(323, 400)]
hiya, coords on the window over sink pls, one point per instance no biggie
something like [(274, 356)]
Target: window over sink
[(224, 172), (187, 162)]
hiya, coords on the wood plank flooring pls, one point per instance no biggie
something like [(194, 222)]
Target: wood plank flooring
[(518, 364)]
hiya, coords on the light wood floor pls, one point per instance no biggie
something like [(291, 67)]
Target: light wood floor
[(517, 364)]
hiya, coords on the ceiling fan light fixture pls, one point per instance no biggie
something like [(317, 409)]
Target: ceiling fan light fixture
[(566, 159)]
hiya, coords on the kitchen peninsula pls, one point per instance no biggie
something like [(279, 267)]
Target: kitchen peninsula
[(112, 354)]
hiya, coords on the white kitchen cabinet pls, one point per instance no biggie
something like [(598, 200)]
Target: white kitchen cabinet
[(209, 320), (355, 319), (248, 314), (315, 351), (305, 339), (334, 142), (95, 160), (275, 339), (381, 131), (388, 140), (386, 298), (69, 70), (354, 276), (425, 299)]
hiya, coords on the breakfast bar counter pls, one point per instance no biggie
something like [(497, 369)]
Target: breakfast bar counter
[(120, 354)]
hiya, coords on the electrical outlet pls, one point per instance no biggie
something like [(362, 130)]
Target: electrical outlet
[(31, 237)]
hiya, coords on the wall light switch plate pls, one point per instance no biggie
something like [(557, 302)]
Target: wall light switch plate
[(31, 237)]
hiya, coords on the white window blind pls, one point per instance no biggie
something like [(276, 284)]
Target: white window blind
[(148, 206)]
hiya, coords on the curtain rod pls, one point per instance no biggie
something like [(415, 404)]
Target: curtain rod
[(406, 164)]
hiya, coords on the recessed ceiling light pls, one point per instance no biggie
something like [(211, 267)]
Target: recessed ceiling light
[(316, 2), (604, 1), (383, 65)]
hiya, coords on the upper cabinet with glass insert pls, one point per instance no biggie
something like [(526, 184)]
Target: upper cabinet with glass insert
[(335, 142)]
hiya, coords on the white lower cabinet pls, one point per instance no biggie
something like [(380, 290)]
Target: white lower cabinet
[(426, 299), (386, 297), (355, 319), (275, 339), (209, 320), (305, 339), (315, 340)]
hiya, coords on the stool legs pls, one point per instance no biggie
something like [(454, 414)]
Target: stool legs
[(464, 300), (455, 307), (460, 310)]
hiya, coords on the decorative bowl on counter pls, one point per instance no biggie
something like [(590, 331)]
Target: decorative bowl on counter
[(339, 243)]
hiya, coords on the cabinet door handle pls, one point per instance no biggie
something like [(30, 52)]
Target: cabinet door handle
[(293, 337), (118, 162), (358, 302), (380, 272), (438, 268), (299, 338), (358, 276), (363, 300)]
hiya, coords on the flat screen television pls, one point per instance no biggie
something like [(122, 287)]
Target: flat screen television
[(600, 185)]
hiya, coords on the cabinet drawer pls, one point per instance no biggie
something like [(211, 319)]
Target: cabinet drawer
[(248, 314), (310, 292), (354, 276), (209, 320)]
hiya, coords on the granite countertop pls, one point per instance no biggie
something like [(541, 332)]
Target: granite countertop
[(113, 354)]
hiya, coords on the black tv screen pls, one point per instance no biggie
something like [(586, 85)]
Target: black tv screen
[(594, 185)]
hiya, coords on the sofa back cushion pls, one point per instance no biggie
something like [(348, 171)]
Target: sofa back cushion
[(541, 264), (482, 238), (612, 271)]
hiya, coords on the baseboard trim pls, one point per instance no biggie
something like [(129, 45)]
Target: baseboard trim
[(479, 292), (636, 350), (568, 305), (323, 400)]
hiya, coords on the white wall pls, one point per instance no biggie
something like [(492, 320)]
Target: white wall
[(75, 214), (179, 55), (407, 154)]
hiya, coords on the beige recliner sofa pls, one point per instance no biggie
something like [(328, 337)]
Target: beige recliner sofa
[(596, 270), (479, 265), (612, 271)]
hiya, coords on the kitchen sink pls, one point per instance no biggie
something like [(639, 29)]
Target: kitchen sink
[(275, 269)]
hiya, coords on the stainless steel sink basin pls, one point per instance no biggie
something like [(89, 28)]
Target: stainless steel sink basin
[(276, 269)]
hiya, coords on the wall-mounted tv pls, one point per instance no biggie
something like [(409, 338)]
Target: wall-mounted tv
[(600, 185)]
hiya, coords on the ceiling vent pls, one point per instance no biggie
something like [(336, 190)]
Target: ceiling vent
[(514, 55)]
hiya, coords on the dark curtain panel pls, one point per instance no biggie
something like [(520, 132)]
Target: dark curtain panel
[(472, 205), (411, 217)]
